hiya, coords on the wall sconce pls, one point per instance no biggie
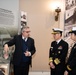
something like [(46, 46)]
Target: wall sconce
[(58, 10)]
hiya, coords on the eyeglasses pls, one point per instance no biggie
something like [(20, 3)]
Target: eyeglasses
[(27, 31)]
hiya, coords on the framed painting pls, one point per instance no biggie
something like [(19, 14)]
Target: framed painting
[(69, 19), (23, 18)]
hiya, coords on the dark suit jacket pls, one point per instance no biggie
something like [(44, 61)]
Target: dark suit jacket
[(17, 41), (71, 64), (57, 55)]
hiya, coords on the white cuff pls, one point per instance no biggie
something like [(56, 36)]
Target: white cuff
[(29, 53)]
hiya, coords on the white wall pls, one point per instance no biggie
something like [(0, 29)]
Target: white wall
[(41, 21)]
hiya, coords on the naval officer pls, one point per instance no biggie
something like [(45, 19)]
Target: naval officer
[(57, 53), (71, 63)]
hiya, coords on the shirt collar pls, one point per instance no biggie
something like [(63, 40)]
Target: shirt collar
[(24, 38), (58, 41)]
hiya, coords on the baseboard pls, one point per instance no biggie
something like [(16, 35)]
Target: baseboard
[(39, 73)]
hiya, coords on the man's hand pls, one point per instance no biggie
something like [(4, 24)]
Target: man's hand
[(52, 65), (5, 52), (6, 56), (27, 53), (66, 73), (6, 48)]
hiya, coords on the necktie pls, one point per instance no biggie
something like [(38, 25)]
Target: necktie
[(55, 43), (25, 39)]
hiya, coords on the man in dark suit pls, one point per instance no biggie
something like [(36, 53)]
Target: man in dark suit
[(24, 49), (71, 63), (57, 53)]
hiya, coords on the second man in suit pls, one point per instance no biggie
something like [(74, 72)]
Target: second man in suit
[(57, 53), (71, 63)]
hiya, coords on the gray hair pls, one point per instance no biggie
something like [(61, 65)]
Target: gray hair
[(23, 28)]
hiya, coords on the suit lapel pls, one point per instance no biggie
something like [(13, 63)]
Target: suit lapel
[(28, 43), (21, 42)]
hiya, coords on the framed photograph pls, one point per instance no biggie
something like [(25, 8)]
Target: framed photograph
[(23, 18), (69, 19), (4, 69)]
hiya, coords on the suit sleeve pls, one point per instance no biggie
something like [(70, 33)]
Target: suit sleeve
[(11, 42), (50, 53), (71, 64), (33, 49)]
